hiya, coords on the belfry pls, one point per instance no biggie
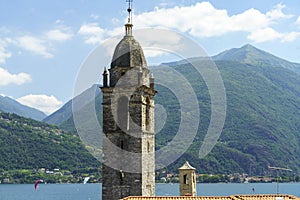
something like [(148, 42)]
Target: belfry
[(128, 165)]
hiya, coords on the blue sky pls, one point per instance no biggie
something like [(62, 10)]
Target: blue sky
[(44, 43)]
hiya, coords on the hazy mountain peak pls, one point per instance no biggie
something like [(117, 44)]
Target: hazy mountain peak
[(8, 104), (248, 46), (243, 54), (66, 111), (249, 54)]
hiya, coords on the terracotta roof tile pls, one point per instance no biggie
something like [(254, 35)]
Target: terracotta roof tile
[(233, 197)]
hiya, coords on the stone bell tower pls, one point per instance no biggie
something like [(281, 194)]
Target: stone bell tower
[(187, 179), (128, 167)]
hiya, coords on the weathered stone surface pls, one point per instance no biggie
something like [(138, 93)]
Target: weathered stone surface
[(128, 53), (128, 166), (187, 180)]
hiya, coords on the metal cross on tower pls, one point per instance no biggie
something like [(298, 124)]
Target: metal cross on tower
[(129, 9)]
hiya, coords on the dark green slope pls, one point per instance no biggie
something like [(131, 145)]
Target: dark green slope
[(12, 106), (262, 122), (29, 144)]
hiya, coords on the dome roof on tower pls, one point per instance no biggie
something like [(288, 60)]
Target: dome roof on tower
[(128, 53)]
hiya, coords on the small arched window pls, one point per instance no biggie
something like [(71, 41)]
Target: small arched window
[(122, 113), (185, 179)]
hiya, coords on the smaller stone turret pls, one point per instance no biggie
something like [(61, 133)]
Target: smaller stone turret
[(151, 81), (105, 80), (187, 179)]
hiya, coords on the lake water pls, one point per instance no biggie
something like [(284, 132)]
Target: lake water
[(93, 191)]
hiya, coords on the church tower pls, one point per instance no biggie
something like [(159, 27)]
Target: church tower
[(128, 165), (187, 180)]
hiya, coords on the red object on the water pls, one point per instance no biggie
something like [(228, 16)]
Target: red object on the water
[(36, 183)]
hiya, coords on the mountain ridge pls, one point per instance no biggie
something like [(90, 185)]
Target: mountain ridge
[(262, 114), (66, 110), (249, 54), (10, 105)]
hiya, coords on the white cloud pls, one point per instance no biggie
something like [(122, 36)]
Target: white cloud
[(157, 42), (263, 35), (115, 21), (7, 78), (58, 35), (164, 4), (4, 54), (277, 13), (39, 45), (4, 30), (59, 21), (298, 21), (95, 17), (34, 45), (204, 20), (200, 20), (290, 37), (269, 34), (93, 33), (150, 53), (248, 21), (47, 104)]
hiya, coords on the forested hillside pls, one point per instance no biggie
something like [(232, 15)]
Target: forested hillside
[(29, 144), (262, 119)]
